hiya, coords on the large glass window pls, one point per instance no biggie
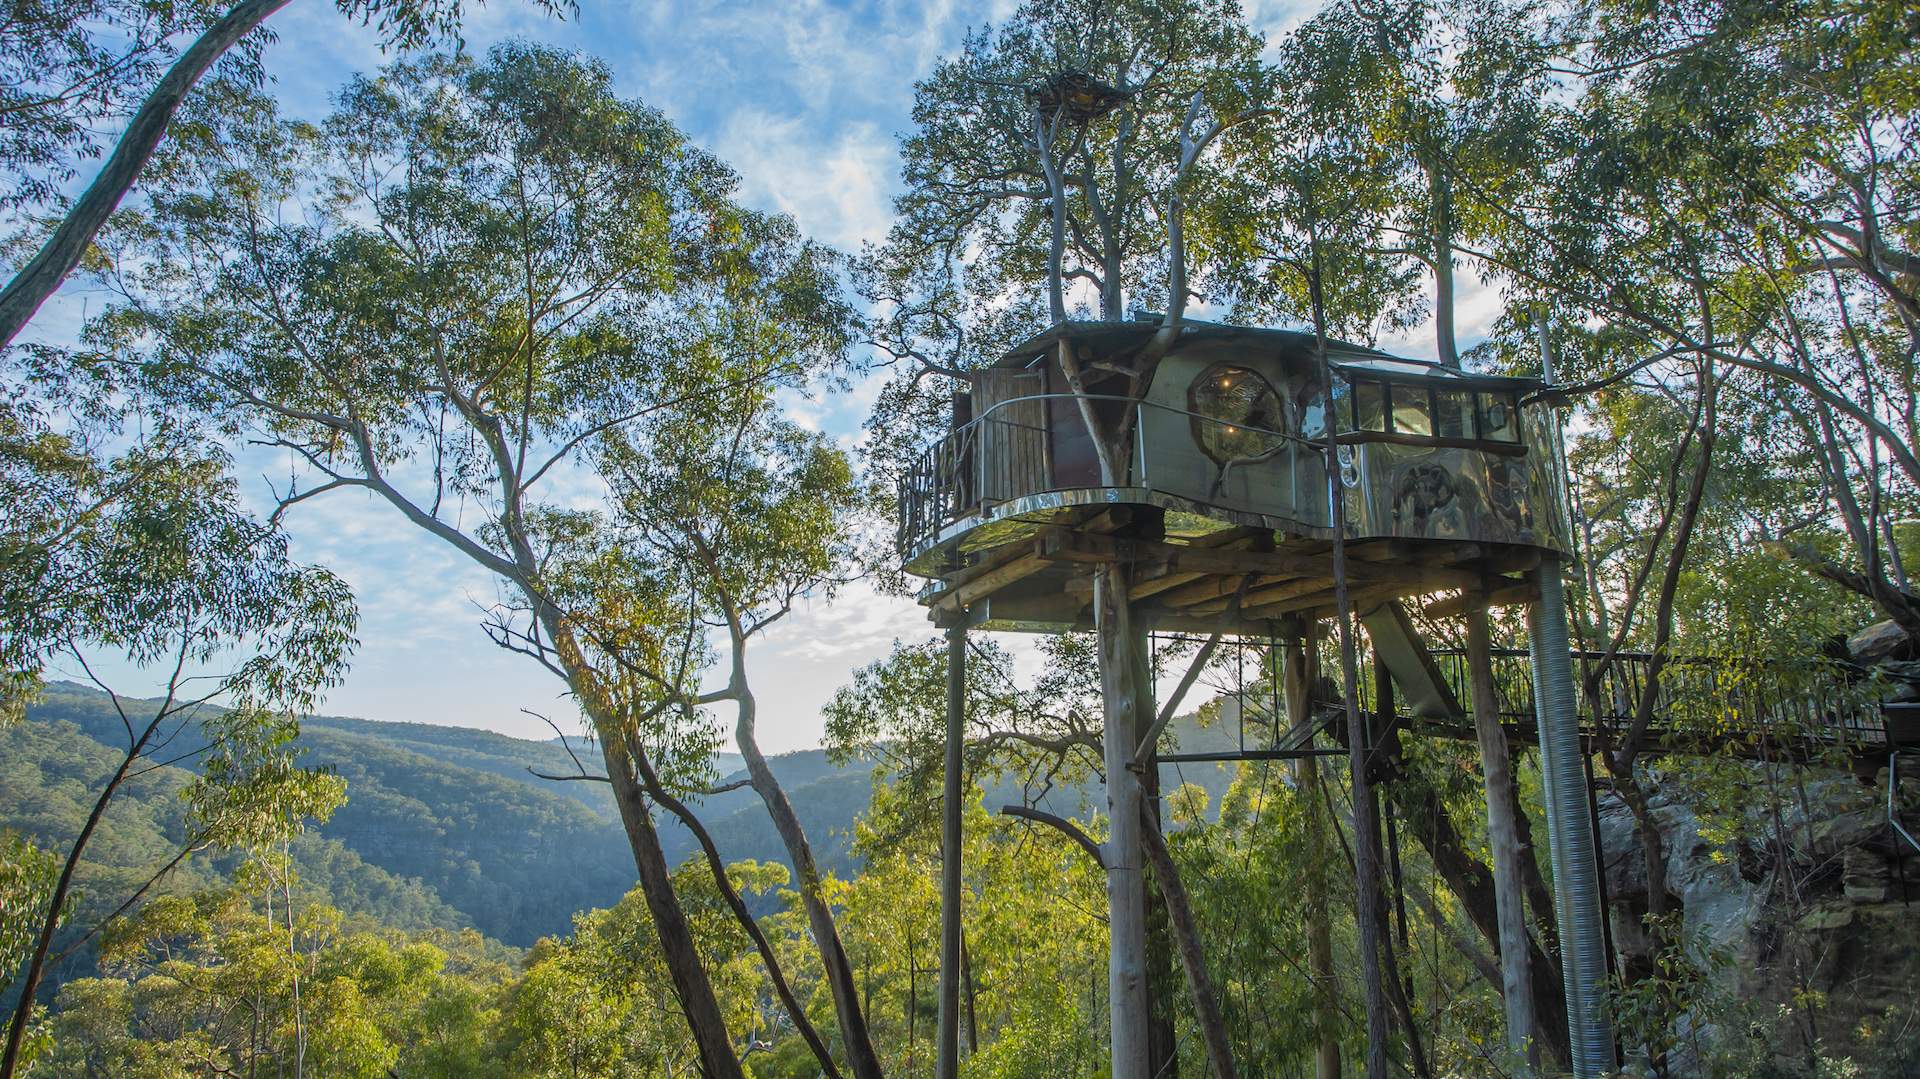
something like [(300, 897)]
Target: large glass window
[(1453, 413), (1499, 417), (1412, 409), (1237, 414), (1428, 408), (1369, 405)]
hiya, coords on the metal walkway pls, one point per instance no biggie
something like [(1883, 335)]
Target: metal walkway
[(1817, 710)]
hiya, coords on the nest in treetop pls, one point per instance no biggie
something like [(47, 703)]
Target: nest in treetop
[(1083, 97)]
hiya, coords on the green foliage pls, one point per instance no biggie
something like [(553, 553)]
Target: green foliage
[(477, 275), (26, 887), (71, 71), (241, 977)]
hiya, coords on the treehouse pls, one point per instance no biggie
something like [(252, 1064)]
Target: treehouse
[(1184, 487), (1214, 485)]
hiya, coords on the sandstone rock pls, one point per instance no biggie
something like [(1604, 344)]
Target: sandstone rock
[(1880, 641), (1865, 876), (1826, 918), (1903, 679), (1620, 843), (1852, 940)]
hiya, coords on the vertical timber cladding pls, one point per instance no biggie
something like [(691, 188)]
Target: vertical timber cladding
[(1013, 433), (1075, 464)]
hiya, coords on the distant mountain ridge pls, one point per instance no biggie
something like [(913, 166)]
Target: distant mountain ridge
[(447, 824)]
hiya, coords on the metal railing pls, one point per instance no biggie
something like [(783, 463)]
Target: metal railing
[(967, 470), (1755, 709), (1764, 708), (992, 460)]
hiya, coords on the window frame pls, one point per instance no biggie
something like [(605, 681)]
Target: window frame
[(1196, 417), (1479, 397)]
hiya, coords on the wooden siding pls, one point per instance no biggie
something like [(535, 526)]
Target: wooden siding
[(1013, 442)]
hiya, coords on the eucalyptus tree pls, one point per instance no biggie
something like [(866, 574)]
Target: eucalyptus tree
[(1688, 232), (754, 515), (1459, 99), (1308, 238), (1058, 154), (1042, 734), (70, 70), (447, 296), (186, 583), (1733, 186)]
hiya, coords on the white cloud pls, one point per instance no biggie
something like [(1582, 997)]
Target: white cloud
[(839, 191)]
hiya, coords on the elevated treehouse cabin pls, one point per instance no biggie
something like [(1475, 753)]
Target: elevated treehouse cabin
[(1213, 495), (1450, 481)]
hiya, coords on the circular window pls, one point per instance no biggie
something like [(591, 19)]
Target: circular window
[(1236, 414)]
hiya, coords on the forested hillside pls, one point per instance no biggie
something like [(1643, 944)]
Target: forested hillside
[(442, 826)]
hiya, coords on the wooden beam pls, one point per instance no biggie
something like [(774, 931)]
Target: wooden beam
[(1165, 577), (1111, 519), (988, 562), (1258, 628), (1408, 552), (1504, 594), (1357, 600), (1515, 560), (1280, 593), (1319, 603), (988, 583), (1060, 545), (1213, 586)]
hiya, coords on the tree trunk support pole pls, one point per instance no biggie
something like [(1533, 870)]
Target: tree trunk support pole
[(1496, 771), (1299, 677), (1122, 696), (950, 839)]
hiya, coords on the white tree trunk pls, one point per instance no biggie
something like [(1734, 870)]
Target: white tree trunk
[(1123, 697), (1496, 769)]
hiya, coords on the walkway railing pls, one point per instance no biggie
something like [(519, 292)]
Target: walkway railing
[(1755, 708)]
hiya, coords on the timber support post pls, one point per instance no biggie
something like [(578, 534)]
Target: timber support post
[(950, 852)]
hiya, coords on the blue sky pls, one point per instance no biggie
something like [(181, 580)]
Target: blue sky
[(807, 101)]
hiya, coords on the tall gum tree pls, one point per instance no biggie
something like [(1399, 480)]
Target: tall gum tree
[(1735, 186), (445, 297), (185, 584), (68, 70), (1306, 239), (754, 515)]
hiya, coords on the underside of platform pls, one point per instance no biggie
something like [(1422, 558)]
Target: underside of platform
[(1239, 581)]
